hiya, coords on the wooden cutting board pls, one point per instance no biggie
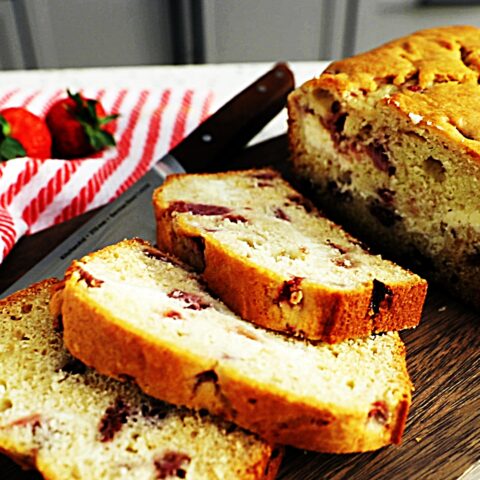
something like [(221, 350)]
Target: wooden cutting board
[(442, 438)]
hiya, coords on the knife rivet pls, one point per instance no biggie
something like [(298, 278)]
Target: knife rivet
[(262, 88), (207, 138), (279, 74)]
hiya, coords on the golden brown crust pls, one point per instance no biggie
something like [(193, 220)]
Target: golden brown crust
[(323, 314), (270, 469), (118, 350), (319, 313), (29, 292), (434, 79), (415, 101)]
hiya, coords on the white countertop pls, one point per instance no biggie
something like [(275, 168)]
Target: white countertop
[(225, 80)]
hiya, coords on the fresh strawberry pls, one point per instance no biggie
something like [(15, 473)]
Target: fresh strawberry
[(23, 134), (79, 126)]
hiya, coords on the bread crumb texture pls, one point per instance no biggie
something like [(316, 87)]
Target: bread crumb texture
[(277, 261), (59, 416), (149, 318)]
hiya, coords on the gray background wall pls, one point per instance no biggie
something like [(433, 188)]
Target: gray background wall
[(82, 33)]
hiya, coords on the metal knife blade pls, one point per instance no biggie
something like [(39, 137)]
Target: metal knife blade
[(131, 214)]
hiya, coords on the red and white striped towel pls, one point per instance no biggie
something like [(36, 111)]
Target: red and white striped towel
[(36, 194)]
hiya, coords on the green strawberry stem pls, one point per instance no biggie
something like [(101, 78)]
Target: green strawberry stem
[(5, 126), (98, 138), (9, 147), (86, 114)]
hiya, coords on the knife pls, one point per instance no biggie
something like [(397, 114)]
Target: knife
[(206, 149)]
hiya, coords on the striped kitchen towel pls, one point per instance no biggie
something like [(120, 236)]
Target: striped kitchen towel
[(36, 194)]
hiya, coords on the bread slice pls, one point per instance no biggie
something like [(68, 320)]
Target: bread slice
[(131, 311), (69, 422), (390, 140), (278, 262)]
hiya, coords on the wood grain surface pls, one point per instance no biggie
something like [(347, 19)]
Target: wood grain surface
[(442, 438)]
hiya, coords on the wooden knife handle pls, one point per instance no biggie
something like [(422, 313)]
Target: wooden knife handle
[(234, 124)]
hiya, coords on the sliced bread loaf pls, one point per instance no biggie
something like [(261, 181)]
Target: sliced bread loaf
[(130, 311), (69, 422), (390, 141), (278, 262)]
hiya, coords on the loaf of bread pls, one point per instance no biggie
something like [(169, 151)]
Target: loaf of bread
[(69, 422), (278, 262), (130, 311), (390, 142)]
